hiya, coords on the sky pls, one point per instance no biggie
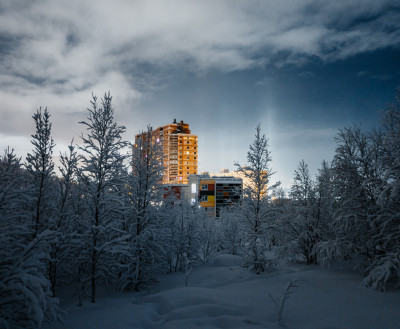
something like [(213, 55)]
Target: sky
[(301, 69)]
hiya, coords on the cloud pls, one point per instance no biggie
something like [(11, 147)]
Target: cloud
[(75, 40), (55, 53)]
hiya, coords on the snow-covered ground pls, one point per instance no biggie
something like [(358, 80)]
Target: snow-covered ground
[(225, 295)]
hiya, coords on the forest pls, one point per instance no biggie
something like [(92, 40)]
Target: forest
[(100, 216)]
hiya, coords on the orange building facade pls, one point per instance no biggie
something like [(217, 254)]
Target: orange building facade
[(179, 149)]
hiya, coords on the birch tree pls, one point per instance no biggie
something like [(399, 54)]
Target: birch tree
[(40, 166), (65, 216), (101, 176), (142, 214), (304, 224), (255, 206)]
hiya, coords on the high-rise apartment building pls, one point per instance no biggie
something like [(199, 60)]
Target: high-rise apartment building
[(180, 151)]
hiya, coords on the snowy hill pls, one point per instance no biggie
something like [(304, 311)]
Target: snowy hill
[(222, 294)]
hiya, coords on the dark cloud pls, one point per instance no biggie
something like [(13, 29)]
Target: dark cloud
[(56, 53)]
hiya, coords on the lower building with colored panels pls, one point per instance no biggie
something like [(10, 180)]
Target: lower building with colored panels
[(213, 193)]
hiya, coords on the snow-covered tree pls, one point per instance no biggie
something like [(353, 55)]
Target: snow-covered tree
[(354, 176), (385, 265), (230, 231), (304, 229), (25, 294), (208, 235), (365, 198), (325, 195), (65, 216), (142, 214), (255, 206), (13, 189), (40, 166), (192, 234), (101, 178)]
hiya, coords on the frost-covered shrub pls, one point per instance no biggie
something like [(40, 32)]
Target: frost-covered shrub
[(382, 270), (207, 237), (26, 298), (230, 229)]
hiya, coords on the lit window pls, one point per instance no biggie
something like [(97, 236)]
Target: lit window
[(194, 187)]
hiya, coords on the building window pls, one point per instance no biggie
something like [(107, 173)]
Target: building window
[(204, 187), (194, 187), (204, 198)]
